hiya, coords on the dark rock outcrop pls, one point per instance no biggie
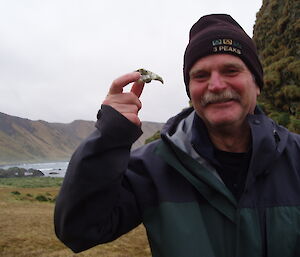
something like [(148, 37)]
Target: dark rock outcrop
[(20, 172)]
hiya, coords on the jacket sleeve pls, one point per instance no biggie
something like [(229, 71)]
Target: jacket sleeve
[(95, 204)]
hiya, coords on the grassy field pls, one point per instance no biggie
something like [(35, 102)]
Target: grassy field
[(26, 224)]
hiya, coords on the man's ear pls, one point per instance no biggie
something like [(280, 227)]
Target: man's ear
[(257, 90)]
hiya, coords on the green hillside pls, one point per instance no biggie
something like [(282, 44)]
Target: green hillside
[(23, 140), (277, 36)]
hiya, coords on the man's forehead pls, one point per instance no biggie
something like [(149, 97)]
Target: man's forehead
[(218, 61)]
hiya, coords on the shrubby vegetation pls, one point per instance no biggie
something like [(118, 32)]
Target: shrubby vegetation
[(31, 182), (276, 34), (155, 136), (46, 197)]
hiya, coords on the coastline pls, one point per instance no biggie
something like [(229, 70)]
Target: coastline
[(49, 169)]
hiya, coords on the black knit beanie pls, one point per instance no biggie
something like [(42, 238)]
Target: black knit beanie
[(220, 34)]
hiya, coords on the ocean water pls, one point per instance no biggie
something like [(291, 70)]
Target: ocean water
[(50, 169)]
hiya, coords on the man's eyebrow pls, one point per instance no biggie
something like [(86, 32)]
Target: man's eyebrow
[(196, 71), (234, 65)]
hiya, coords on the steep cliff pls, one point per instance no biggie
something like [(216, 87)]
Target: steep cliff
[(277, 36)]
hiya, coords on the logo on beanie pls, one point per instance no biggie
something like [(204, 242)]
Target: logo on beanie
[(226, 45)]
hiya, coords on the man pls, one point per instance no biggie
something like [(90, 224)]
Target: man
[(223, 180)]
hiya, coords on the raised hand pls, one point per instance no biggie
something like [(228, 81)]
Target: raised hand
[(128, 104)]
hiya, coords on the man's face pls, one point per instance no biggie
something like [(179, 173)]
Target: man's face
[(222, 90)]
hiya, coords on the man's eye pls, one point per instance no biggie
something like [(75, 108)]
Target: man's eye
[(200, 76), (231, 72)]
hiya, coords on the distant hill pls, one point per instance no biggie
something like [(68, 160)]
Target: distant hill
[(149, 128), (24, 140)]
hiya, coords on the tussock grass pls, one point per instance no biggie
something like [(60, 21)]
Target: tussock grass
[(27, 230)]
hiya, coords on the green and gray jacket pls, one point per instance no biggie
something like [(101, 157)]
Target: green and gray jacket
[(177, 194)]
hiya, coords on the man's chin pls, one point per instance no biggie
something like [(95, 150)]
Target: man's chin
[(221, 121)]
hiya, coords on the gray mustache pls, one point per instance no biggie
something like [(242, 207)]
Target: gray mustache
[(228, 95)]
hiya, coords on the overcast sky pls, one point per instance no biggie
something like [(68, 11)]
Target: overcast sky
[(59, 57)]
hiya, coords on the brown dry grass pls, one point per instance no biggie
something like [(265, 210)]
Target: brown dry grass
[(27, 230)]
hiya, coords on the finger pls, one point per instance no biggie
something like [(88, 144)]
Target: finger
[(118, 84), (125, 108), (137, 88), (123, 98), (133, 118)]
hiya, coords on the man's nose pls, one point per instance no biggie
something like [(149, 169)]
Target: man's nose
[(216, 82)]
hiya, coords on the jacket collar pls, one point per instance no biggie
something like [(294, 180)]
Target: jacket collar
[(201, 142), (268, 139)]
